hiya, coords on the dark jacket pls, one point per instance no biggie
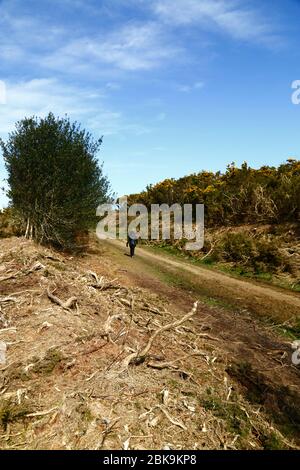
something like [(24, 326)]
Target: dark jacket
[(132, 242)]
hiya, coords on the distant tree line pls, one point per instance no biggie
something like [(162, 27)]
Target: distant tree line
[(237, 196)]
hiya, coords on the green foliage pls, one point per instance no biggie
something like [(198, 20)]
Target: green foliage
[(236, 247), (11, 412), (54, 177), (47, 364), (10, 223), (261, 255), (272, 442), (236, 419), (238, 196)]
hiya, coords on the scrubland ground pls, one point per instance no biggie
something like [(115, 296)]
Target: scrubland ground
[(267, 253), (99, 357)]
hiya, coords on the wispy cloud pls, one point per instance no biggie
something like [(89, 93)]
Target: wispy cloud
[(40, 96), (131, 48), (24, 37), (230, 16), (46, 43)]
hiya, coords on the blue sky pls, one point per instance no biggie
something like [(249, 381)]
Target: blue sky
[(175, 86)]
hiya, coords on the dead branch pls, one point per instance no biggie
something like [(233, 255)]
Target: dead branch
[(212, 246), (154, 310), (7, 299), (6, 278), (125, 302), (207, 336), (36, 267), (139, 357), (162, 365), (41, 413), (68, 305), (101, 284), (107, 431), (172, 420), (12, 328), (94, 276), (170, 365), (108, 324), (53, 258)]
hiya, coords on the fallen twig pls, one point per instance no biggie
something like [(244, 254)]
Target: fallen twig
[(71, 302), (107, 431), (139, 357), (172, 420), (41, 413), (7, 299)]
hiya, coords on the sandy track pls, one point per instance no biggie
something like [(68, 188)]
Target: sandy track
[(262, 300)]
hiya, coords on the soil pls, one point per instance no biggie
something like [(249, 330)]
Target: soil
[(223, 380)]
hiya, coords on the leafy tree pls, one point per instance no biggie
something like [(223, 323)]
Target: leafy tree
[(54, 178)]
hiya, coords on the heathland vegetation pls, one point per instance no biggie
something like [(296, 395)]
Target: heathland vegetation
[(251, 217)]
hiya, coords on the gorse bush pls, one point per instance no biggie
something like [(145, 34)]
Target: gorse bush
[(268, 256), (238, 196), (236, 247), (257, 254)]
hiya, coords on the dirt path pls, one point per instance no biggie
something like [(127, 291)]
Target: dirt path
[(231, 312), (262, 300), (233, 308)]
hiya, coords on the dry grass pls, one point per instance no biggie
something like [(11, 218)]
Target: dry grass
[(65, 386)]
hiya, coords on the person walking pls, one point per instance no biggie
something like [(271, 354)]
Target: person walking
[(131, 242)]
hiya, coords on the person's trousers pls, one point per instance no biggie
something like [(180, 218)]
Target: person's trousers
[(132, 251)]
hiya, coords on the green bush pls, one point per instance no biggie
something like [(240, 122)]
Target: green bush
[(10, 224), (237, 247), (268, 256), (260, 255)]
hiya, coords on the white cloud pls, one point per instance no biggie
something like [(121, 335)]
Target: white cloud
[(133, 47), (47, 44), (24, 38), (229, 16), (40, 96)]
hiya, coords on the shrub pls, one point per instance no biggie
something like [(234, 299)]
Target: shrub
[(10, 224), (237, 247), (256, 254)]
